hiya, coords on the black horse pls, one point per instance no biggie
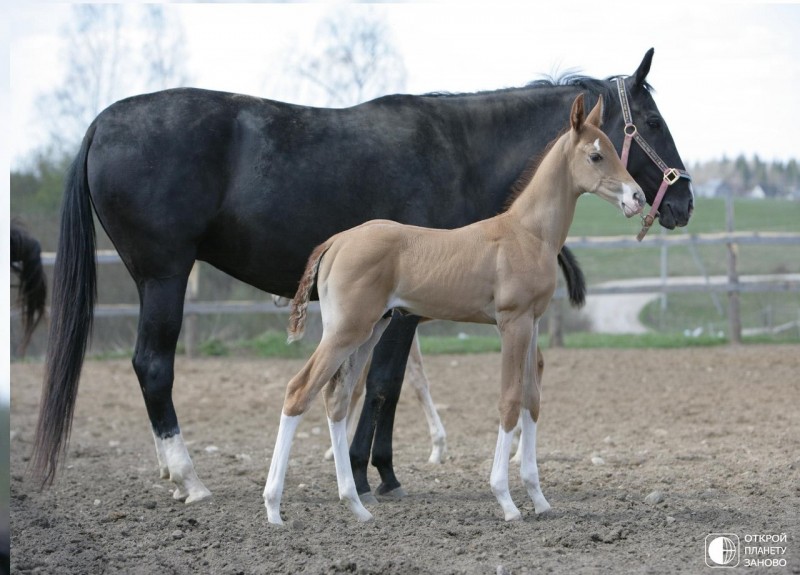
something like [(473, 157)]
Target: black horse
[(26, 263), (252, 185)]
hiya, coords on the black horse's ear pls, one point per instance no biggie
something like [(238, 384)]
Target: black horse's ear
[(640, 75)]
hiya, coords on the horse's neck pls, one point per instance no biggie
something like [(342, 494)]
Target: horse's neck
[(546, 206), (505, 129)]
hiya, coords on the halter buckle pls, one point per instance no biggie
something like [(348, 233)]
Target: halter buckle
[(671, 176)]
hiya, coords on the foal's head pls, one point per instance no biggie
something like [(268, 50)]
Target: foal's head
[(596, 167)]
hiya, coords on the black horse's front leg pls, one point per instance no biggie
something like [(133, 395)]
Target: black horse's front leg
[(384, 382)]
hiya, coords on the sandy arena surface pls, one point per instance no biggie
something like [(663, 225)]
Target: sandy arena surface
[(714, 431)]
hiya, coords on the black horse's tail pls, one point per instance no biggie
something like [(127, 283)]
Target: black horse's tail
[(576, 284), (71, 315), (26, 260)]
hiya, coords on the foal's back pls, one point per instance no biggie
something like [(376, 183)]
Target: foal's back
[(439, 274)]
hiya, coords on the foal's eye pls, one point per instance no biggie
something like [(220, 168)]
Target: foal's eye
[(595, 156)]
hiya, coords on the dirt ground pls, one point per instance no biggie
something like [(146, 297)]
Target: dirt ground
[(714, 431)]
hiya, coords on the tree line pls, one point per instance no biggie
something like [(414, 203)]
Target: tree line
[(778, 179)]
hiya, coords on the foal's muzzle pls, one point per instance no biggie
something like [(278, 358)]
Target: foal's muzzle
[(633, 200)]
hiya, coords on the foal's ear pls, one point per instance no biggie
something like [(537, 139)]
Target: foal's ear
[(576, 116), (595, 117)]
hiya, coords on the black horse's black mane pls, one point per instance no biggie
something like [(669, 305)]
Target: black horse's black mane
[(593, 85)]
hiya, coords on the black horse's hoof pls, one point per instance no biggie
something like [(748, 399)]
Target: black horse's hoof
[(368, 498)]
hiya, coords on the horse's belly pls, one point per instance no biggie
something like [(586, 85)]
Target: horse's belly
[(447, 303)]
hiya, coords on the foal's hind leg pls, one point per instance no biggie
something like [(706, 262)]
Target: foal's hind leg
[(302, 388), (159, 326), (333, 350), (415, 375), (337, 398), (352, 411)]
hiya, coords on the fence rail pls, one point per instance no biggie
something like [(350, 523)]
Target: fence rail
[(730, 284)]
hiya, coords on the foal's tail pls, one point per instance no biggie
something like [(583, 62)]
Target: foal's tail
[(576, 284), (71, 315), (26, 260), (297, 317)]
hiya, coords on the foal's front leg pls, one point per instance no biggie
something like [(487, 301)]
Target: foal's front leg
[(516, 334), (531, 396)]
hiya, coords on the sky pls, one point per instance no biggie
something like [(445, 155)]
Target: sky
[(726, 74)]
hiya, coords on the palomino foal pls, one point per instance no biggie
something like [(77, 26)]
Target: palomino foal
[(498, 271)]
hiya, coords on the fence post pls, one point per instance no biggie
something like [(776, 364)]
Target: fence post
[(190, 319), (555, 323), (664, 278), (734, 317)]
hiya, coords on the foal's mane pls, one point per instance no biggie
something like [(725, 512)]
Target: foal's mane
[(529, 171)]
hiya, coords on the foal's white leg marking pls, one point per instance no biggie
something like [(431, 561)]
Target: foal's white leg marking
[(172, 452), (344, 473), (277, 467), (421, 385), (499, 477), (529, 469)]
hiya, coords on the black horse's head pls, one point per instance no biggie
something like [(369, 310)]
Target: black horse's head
[(678, 203)]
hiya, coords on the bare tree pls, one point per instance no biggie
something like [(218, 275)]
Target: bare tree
[(93, 47), (353, 60), (164, 53), (110, 54)]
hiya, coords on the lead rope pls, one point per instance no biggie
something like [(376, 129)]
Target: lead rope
[(671, 175)]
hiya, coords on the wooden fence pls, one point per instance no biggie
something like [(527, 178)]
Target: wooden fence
[(732, 287)]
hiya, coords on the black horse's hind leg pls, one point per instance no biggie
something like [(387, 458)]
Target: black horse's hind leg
[(160, 320), (384, 383)]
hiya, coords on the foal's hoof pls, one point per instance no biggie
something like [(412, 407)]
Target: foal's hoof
[(191, 496), (541, 507), (274, 519), (198, 496), (368, 498), (396, 493)]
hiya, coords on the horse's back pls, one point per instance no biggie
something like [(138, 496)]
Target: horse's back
[(252, 185)]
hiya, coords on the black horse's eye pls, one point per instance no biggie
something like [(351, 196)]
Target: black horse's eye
[(654, 123), (595, 156)]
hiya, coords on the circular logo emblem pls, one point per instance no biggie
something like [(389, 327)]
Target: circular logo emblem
[(722, 550)]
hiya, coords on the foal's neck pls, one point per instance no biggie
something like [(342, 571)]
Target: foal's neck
[(546, 206)]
